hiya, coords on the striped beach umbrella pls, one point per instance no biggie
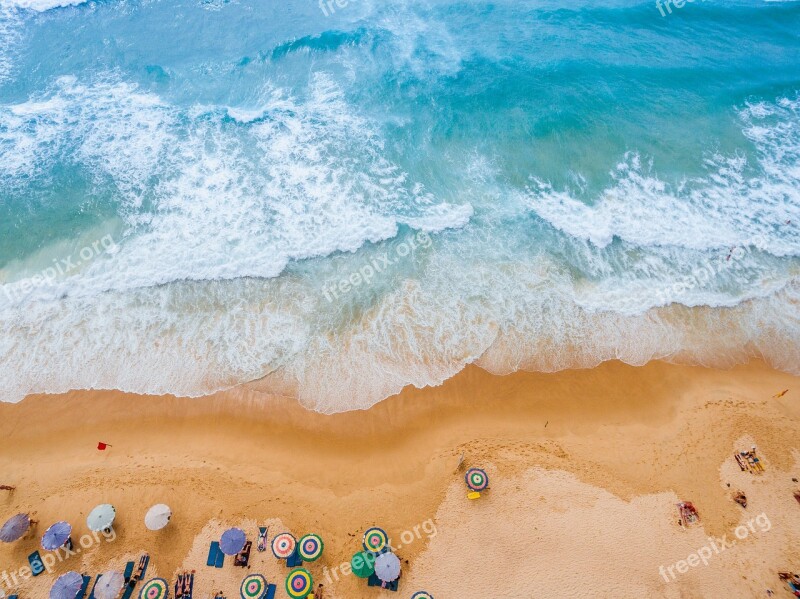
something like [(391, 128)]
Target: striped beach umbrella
[(155, 588), (421, 595), (387, 567), (101, 517), (232, 541), (375, 540), (66, 586), (299, 583), (253, 587), (283, 545), (56, 536), (157, 517), (15, 528), (363, 564), (310, 547), (109, 585), (476, 479)]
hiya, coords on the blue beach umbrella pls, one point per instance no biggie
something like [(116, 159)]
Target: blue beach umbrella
[(15, 528), (232, 541), (56, 536), (66, 586)]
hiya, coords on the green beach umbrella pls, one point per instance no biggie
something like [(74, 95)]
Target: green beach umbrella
[(421, 595), (155, 588), (253, 587), (310, 547), (363, 564), (299, 583)]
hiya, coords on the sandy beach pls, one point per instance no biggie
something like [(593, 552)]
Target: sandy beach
[(585, 469)]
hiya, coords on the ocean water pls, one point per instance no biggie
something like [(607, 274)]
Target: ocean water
[(344, 199)]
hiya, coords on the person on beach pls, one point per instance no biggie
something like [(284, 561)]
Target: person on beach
[(318, 594)]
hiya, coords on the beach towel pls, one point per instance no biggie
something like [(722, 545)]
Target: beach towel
[(271, 588), (220, 558), (128, 571), (188, 594), (91, 594), (35, 560), (212, 553), (262, 538), (82, 593)]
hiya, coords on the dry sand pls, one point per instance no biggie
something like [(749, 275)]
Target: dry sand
[(585, 467)]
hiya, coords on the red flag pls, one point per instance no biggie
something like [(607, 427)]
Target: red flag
[(101, 446)]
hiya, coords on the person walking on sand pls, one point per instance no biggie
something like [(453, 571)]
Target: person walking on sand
[(318, 593)]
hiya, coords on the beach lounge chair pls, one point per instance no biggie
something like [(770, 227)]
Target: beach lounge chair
[(294, 560), (374, 581), (220, 558), (86, 581), (212, 554), (188, 585), (91, 593), (37, 566), (262, 538), (243, 557), (13, 597), (128, 571), (141, 568), (271, 589)]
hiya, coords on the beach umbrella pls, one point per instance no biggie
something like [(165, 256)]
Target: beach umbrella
[(15, 528), (476, 479), (363, 564), (155, 588), (232, 541), (253, 587), (387, 567), (299, 583), (421, 595), (101, 517), (375, 540), (66, 586), (157, 517), (109, 585), (56, 536), (283, 545), (310, 547)]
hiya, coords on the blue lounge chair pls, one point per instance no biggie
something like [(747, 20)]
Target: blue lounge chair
[(294, 560), (91, 594), (373, 580), (271, 588), (82, 593), (220, 558), (128, 571), (35, 560), (213, 551), (13, 597)]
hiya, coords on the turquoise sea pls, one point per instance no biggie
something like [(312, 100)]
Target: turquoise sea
[(344, 198)]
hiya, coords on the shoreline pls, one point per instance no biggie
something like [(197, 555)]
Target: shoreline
[(242, 455)]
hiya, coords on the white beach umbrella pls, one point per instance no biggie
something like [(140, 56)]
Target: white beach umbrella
[(387, 567), (109, 585), (101, 517), (157, 517)]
